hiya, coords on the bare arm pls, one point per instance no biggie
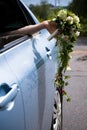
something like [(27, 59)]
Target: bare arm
[(31, 29)]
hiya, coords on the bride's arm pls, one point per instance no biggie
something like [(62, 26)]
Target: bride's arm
[(31, 29)]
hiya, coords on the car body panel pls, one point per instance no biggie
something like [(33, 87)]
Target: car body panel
[(10, 117), (31, 65)]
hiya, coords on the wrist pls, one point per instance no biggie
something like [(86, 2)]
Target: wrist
[(45, 24)]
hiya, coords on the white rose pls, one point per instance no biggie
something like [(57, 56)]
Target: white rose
[(62, 14), (69, 19), (68, 68), (76, 19), (70, 55), (77, 33)]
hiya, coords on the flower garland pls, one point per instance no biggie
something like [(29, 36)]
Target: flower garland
[(68, 25)]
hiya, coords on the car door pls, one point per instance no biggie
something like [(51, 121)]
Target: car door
[(11, 105), (30, 62), (30, 59)]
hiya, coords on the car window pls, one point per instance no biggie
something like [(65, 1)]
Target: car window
[(14, 17)]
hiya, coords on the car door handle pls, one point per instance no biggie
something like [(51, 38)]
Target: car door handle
[(7, 93), (48, 52)]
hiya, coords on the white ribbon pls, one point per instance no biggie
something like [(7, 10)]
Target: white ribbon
[(53, 34)]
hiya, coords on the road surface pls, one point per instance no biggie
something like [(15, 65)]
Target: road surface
[(75, 112)]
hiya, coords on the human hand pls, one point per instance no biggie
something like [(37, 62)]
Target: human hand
[(51, 26)]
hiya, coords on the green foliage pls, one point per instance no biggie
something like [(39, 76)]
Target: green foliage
[(42, 11), (79, 7), (69, 25), (83, 26), (45, 11)]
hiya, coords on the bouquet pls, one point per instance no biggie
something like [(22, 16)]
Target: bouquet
[(67, 32)]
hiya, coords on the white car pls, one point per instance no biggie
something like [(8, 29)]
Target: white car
[(28, 98)]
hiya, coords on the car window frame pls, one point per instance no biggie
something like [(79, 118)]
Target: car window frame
[(14, 43), (28, 15)]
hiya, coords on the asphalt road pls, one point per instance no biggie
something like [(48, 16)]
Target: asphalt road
[(75, 112)]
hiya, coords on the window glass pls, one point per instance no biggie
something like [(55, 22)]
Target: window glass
[(11, 18)]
